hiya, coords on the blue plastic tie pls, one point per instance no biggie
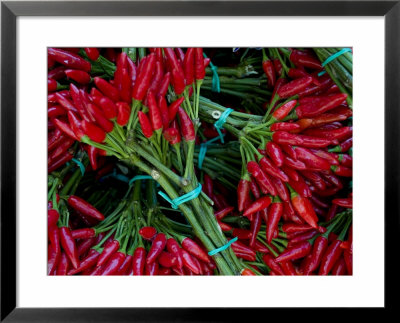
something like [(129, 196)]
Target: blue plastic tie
[(220, 122), (139, 177), (213, 252), (203, 150), (182, 199), (215, 86), (81, 166), (332, 57)]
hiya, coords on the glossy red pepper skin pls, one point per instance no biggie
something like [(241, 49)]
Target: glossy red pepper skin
[(106, 88), (151, 269), (125, 267), (93, 53), (69, 59), (79, 76), (339, 268), (314, 106), (275, 153), (113, 264), (101, 120), (138, 262), (62, 160), (261, 203), (157, 77), (243, 251), (69, 246), (167, 260), (94, 132), (243, 191), (163, 88), (145, 124), (173, 247), (275, 212), (188, 66), (199, 70), (63, 265), (52, 218), (144, 77), (109, 249), (272, 264), (163, 107), (56, 73), (84, 207), (342, 171), (89, 261), (108, 107), (312, 262), (329, 258), (187, 126), (60, 149), (268, 167), (269, 70), (303, 207), (242, 234), (294, 87), (278, 66), (123, 113), (53, 259), (154, 112), (173, 108), (298, 251), (84, 233), (157, 247), (300, 58), (283, 111), (189, 263), (255, 228), (285, 126), (343, 146), (345, 202), (262, 179), (194, 249), (148, 233)]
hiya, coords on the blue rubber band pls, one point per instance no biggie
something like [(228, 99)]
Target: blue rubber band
[(114, 174), (203, 150), (213, 252), (220, 122), (182, 199), (139, 177), (81, 166), (332, 57), (215, 86)]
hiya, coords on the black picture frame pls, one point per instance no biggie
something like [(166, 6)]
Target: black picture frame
[(10, 10)]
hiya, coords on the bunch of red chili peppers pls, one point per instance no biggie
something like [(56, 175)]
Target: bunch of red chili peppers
[(143, 180)]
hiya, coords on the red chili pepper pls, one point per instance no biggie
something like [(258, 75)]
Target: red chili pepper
[(174, 107), (262, 179), (126, 266), (55, 111), (342, 170), (178, 81), (163, 88), (224, 212), (301, 58), (294, 87), (88, 262), (93, 132), (154, 112), (297, 251), (65, 102), (172, 136), (68, 244), (303, 207), (125, 92), (346, 160), (281, 189), (84, 233), (113, 264), (56, 73), (275, 153), (69, 59), (173, 248), (242, 234), (243, 251), (101, 120), (261, 203), (145, 125), (60, 149), (255, 228), (139, 257), (329, 157), (77, 75), (338, 134), (151, 269), (187, 127), (157, 247), (106, 88), (52, 218), (167, 259), (123, 113), (144, 77), (269, 70), (109, 249), (284, 126), (53, 258), (84, 207), (63, 265), (243, 191), (108, 107), (345, 202), (200, 70), (278, 66), (272, 264), (343, 147), (148, 233), (51, 85), (194, 249), (163, 107), (157, 77), (283, 111), (274, 215), (93, 53), (189, 263), (188, 66), (62, 160), (314, 106), (268, 167)]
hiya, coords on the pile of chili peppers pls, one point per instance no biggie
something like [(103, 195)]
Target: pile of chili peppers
[(192, 161)]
